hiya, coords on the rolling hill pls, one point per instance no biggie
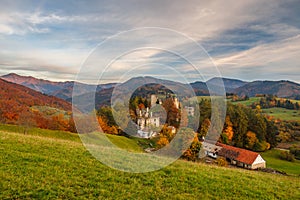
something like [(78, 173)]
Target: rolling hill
[(229, 84), (286, 89), (64, 90), (55, 165), (61, 90), (18, 102)]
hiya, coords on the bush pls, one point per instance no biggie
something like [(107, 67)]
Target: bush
[(221, 161), (295, 151), (285, 155)]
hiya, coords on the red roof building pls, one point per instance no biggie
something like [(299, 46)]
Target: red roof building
[(237, 156)]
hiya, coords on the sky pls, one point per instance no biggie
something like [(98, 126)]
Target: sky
[(56, 40)]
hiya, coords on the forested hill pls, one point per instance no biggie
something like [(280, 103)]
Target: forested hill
[(286, 89), (19, 104), (64, 90), (18, 95)]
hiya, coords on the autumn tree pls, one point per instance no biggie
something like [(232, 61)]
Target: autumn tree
[(59, 122), (163, 141), (165, 136), (228, 129), (172, 112), (251, 140), (105, 126), (240, 125), (192, 153), (204, 128), (106, 112)]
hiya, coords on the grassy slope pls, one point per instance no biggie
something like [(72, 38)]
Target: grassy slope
[(273, 161), (278, 113), (283, 114), (120, 141), (49, 165), (247, 102)]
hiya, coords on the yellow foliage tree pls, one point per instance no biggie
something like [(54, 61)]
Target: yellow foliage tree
[(163, 141), (106, 128), (251, 139), (228, 128)]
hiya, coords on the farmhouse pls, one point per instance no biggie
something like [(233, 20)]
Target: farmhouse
[(235, 156)]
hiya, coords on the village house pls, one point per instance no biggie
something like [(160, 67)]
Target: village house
[(235, 156)]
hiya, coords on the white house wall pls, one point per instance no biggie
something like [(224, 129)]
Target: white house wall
[(258, 160)]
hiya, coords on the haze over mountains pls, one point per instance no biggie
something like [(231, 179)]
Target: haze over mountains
[(64, 90), (61, 90)]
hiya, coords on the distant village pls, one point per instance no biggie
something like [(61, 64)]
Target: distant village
[(148, 121)]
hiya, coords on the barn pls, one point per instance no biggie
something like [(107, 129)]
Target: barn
[(235, 156)]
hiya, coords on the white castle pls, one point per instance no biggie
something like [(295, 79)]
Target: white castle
[(147, 120)]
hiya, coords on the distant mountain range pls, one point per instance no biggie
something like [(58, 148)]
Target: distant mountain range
[(64, 90), (61, 90), (229, 84), (285, 89)]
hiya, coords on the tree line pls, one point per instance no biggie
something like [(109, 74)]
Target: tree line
[(271, 101)]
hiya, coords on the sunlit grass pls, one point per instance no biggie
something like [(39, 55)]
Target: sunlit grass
[(283, 114), (47, 167), (273, 161)]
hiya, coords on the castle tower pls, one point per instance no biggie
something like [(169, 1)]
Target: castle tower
[(153, 100), (176, 102)]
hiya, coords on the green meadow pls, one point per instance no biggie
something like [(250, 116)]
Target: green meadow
[(277, 113), (283, 114), (273, 161), (248, 102), (54, 164)]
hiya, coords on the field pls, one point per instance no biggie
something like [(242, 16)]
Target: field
[(273, 161), (277, 113), (283, 114), (54, 164), (247, 102), (256, 99)]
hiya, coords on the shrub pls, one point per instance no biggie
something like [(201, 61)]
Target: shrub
[(221, 161), (295, 151), (285, 155)]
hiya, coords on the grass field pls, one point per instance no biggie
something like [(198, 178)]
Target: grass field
[(247, 102), (277, 113), (273, 161), (283, 114), (256, 99), (47, 164), (120, 141)]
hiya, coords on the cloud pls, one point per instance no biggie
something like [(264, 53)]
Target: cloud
[(242, 36), (278, 60)]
